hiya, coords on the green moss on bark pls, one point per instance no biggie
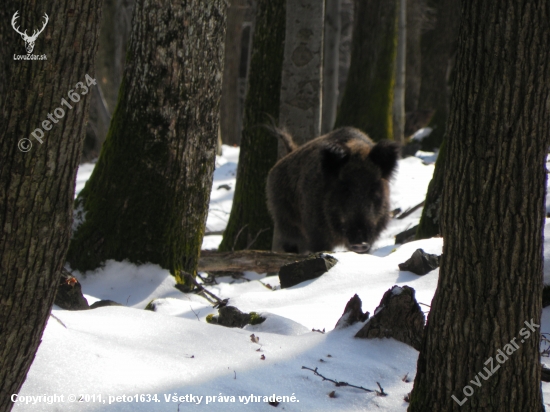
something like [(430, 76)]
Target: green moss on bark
[(250, 225), (368, 96)]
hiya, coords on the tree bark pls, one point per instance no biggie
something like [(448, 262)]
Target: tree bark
[(368, 96), (37, 187), (229, 105), (147, 199), (9, 43), (301, 87), (438, 46), (331, 63), (490, 282), (250, 224)]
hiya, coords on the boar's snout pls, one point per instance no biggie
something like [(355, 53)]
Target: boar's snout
[(360, 248)]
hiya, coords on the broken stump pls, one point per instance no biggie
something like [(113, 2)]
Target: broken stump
[(353, 313), (398, 316), (420, 263)]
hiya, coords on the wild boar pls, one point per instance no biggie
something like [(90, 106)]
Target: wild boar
[(331, 191)]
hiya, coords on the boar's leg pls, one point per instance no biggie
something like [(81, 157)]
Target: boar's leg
[(318, 240), (288, 239)]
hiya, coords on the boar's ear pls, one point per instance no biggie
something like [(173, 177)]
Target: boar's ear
[(385, 155), (333, 157)]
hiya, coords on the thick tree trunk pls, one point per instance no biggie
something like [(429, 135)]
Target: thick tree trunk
[(302, 78), (147, 198), (250, 225), (368, 96), (400, 72), (37, 187), (331, 63), (490, 284), (229, 105), (438, 55)]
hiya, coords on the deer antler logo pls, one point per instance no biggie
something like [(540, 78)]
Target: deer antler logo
[(29, 40)]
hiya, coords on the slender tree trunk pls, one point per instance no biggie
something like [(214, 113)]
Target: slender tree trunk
[(400, 72), (249, 223), (490, 284), (331, 63), (147, 198), (37, 187), (438, 55), (415, 19), (302, 78), (229, 105), (346, 36), (368, 97)]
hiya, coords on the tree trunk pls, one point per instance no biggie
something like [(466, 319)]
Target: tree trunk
[(229, 105), (438, 54), (490, 285), (331, 62), (415, 18), (37, 188), (400, 72), (301, 87), (368, 97), (249, 223), (147, 198)]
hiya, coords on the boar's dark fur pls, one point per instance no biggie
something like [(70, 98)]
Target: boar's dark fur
[(332, 191)]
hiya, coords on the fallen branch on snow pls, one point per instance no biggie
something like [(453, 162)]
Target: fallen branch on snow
[(259, 261), (337, 383)]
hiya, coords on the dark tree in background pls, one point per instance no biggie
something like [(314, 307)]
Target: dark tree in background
[(492, 216), (438, 50), (438, 56), (416, 15), (250, 224), (109, 66), (147, 198), (368, 96), (37, 187), (230, 113)]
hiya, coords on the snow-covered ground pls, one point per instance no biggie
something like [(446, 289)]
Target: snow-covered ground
[(130, 359)]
